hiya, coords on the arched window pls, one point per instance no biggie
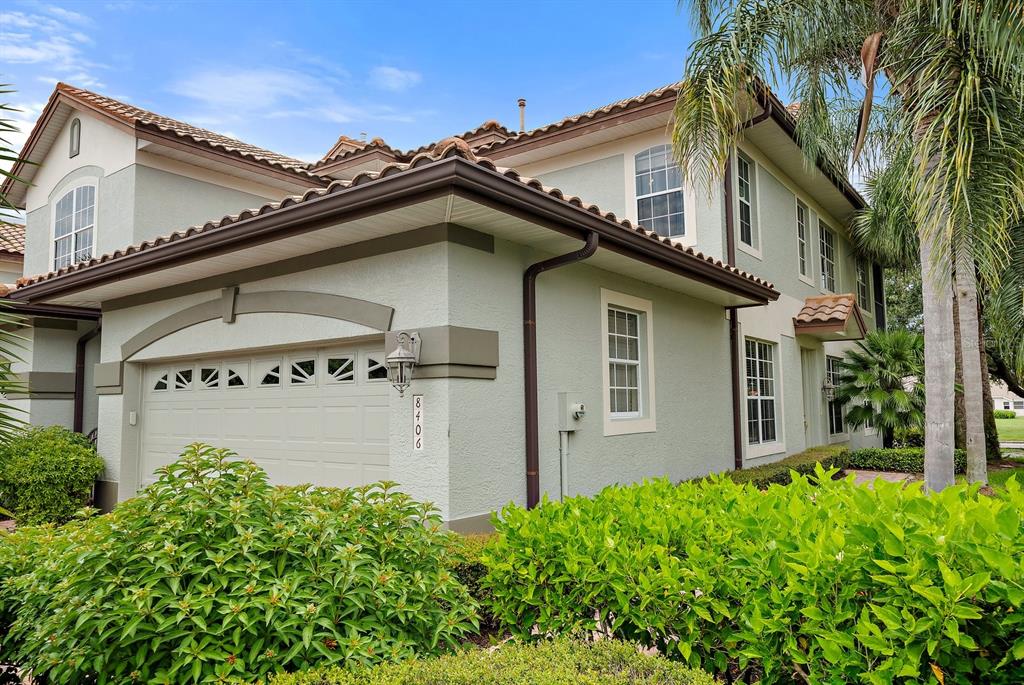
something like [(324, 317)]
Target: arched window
[(76, 138), (74, 226), (659, 192)]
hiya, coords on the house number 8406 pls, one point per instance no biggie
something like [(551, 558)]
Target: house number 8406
[(417, 423)]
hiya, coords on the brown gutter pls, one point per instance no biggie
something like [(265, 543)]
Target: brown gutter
[(55, 311), (530, 359), (453, 174), (79, 415)]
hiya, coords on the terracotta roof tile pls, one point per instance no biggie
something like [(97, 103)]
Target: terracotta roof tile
[(452, 147), (12, 238), (138, 116), (826, 309)]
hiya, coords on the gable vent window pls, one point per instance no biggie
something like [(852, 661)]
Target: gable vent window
[(75, 139), (74, 223), (659, 192)]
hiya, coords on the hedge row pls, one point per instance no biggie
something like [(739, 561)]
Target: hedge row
[(826, 579), (780, 472), (900, 459), (47, 474), (468, 567), (1004, 414), (558, 662)]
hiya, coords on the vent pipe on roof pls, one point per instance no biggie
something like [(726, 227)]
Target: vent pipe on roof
[(522, 114), (362, 136)]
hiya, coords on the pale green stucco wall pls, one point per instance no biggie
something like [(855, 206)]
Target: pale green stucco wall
[(691, 364), (601, 182)]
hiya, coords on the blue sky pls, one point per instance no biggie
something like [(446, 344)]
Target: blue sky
[(292, 76)]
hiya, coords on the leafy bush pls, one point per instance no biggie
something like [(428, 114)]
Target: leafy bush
[(47, 474), (470, 570), (901, 459), (909, 437), (558, 662), (780, 472), (1004, 414), (213, 575), (835, 581)]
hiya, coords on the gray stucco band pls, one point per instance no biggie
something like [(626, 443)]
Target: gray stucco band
[(471, 525), (48, 382), (369, 314), (453, 352), (428, 235), (107, 378)]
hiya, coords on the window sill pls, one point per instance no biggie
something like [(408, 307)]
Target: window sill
[(870, 431), (765, 449), (629, 426), (806, 279), (752, 251), (838, 437)]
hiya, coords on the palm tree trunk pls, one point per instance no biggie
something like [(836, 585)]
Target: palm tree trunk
[(959, 410), (974, 393), (939, 352)]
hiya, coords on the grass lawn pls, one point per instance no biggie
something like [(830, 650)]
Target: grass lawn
[(1011, 430)]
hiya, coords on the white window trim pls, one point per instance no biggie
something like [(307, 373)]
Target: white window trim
[(807, 278), (866, 308), (637, 145), (834, 437), (778, 446), (755, 206), (647, 422), (823, 226), (681, 190), (93, 181)]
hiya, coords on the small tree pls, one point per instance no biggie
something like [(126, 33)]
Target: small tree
[(880, 381)]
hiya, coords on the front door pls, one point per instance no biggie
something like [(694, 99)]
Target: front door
[(809, 376)]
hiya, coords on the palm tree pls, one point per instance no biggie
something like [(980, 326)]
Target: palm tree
[(952, 81), (9, 320), (880, 382)]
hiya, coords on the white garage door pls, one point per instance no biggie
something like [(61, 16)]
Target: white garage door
[(317, 416)]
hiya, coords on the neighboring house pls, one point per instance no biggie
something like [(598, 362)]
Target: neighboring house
[(12, 251), (267, 330), (1003, 398)]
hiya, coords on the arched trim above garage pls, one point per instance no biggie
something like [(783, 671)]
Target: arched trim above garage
[(232, 304)]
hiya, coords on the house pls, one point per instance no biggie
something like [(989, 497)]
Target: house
[(1006, 399), (647, 329)]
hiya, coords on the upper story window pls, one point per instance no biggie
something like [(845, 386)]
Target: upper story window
[(75, 140), (74, 226), (746, 194), (863, 286), (761, 420), (801, 238), (828, 257), (659, 192)]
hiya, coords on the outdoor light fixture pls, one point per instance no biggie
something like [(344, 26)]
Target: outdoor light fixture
[(828, 390), (401, 361)]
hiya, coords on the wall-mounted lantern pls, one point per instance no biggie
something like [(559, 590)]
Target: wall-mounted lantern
[(402, 360), (828, 390)]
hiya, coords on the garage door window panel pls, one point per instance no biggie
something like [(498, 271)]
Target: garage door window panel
[(303, 372), (183, 379), (341, 369), (162, 383), (209, 377), (376, 370), (269, 374), (237, 376)]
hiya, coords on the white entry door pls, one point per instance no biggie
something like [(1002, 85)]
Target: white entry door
[(316, 416)]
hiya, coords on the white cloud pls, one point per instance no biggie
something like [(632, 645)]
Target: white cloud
[(248, 88), (53, 42), (393, 78)]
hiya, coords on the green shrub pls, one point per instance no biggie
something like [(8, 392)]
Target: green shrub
[(908, 437), (470, 570), (836, 581), (213, 575), (47, 474), (557, 662), (899, 459), (1004, 414), (780, 472)]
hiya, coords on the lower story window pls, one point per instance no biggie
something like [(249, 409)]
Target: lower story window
[(761, 418), (628, 364), (836, 424), (623, 362)]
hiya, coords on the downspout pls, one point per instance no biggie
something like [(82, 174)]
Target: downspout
[(79, 415), (530, 359), (734, 354)]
